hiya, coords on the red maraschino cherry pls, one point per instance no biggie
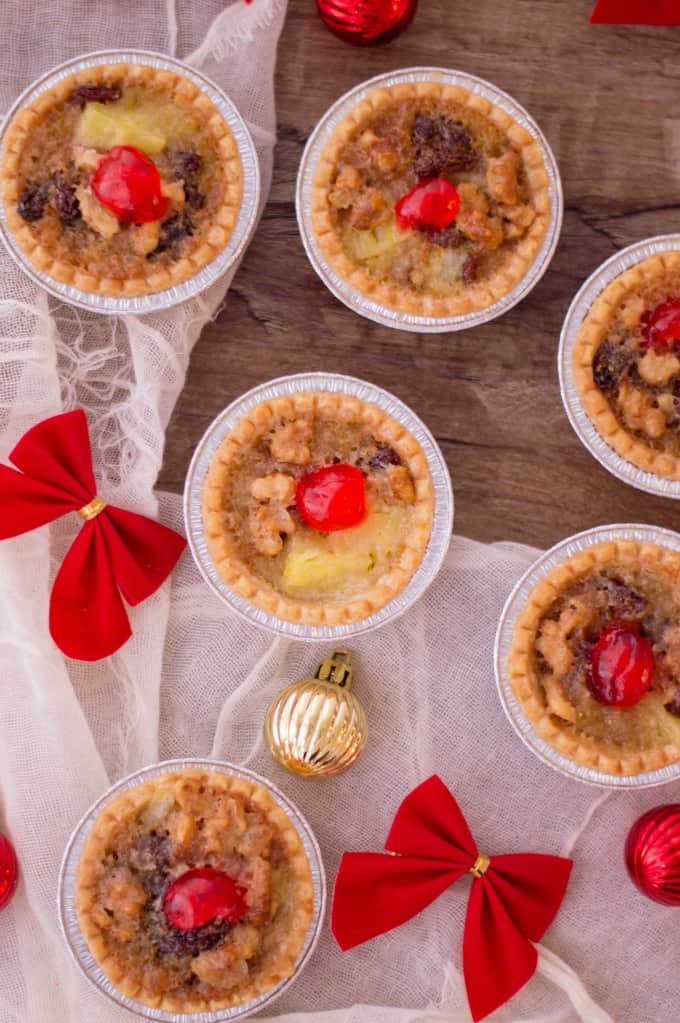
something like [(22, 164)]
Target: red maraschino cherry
[(201, 895), (332, 498), (661, 326), (9, 871), (621, 665), (431, 205), (127, 182)]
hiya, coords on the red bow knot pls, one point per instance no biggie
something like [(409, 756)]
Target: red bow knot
[(117, 554), (636, 12), (512, 902)]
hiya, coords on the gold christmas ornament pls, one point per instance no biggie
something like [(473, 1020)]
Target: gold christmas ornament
[(317, 727)]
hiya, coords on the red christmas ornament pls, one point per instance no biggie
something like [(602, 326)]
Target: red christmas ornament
[(127, 182), (636, 12), (201, 895), (332, 498), (653, 854), (621, 665), (9, 871), (513, 898), (366, 22), (661, 326), (431, 205)]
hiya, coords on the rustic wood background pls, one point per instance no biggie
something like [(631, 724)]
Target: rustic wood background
[(604, 97)]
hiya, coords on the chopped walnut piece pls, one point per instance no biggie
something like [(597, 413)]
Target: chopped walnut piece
[(473, 219), (290, 442), (488, 231), (258, 881), (277, 486), (144, 237), (347, 184), (181, 826), (369, 209), (95, 214), (557, 700), (266, 523), (122, 893), (640, 413), (517, 219), (401, 483), (657, 368), (174, 191), (552, 644), (632, 309), (472, 197), (501, 177), (227, 965)]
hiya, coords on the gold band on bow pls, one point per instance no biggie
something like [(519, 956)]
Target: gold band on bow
[(93, 509), (480, 866)]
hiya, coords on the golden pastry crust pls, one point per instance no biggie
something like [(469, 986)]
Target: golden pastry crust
[(197, 797), (627, 443), (207, 243), (536, 675), (223, 543), (520, 254)]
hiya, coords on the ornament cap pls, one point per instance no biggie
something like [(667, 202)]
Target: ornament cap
[(337, 669)]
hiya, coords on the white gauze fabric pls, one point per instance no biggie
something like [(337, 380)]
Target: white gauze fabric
[(195, 681)]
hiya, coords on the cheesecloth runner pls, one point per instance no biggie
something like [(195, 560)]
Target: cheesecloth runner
[(194, 680)]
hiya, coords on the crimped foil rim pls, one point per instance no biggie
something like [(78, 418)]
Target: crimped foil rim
[(362, 304), (66, 894), (338, 384), (208, 274), (583, 427), (504, 635)]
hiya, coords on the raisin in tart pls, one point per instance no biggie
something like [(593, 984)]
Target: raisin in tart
[(627, 364), (194, 892), (595, 658), (318, 508), (430, 199), (121, 180)]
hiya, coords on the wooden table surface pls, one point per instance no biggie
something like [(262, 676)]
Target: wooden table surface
[(605, 98)]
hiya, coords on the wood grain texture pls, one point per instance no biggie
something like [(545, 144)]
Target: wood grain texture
[(604, 98)]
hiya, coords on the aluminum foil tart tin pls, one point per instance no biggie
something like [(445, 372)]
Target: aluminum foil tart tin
[(578, 417), (504, 635), (338, 384), (66, 896), (362, 304), (245, 223)]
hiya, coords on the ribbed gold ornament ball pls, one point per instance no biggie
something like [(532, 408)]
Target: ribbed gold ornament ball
[(317, 727)]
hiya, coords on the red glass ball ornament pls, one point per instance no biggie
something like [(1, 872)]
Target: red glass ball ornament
[(201, 895), (652, 854), (127, 182), (332, 498), (431, 205), (366, 22), (9, 871), (661, 326), (621, 665)]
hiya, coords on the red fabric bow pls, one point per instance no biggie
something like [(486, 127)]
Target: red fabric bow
[(636, 12), (116, 552), (512, 902)]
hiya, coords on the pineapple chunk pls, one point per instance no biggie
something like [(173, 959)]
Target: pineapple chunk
[(381, 240), (363, 244), (102, 126), (313, 568), (329, 563)]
